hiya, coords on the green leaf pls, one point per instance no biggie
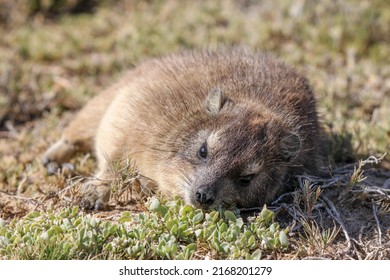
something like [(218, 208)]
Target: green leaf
[(67, 224), (223, 227), (225, 246), (240, 222), (113, 229), (170, 223), (283, 239), (251, 241), (174, 229), (272, 228), (157, 207), (27, 239), (4, 241), (198, 218), (256, 255), (124, 219), (191, 247), (155, 204), (81, 234), (214, 215), (266, 215), (198, 232), (77, 221), (75, 210), (230, 216), (51, 232), (33, 215), (57, 229), (185, 210)]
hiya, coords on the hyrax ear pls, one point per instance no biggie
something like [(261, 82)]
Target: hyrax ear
[(214, 102), (290, 146)]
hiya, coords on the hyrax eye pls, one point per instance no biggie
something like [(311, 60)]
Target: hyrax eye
[(244, 181), (202, 152)]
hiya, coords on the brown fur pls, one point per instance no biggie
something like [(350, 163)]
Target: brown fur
[(255, 117)]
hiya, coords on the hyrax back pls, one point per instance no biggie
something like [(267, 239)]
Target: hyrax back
[(224, 127)]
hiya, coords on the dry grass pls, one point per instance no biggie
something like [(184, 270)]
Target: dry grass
[(54, 58)]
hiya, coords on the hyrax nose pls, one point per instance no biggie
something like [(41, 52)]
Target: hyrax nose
[(205, 195)]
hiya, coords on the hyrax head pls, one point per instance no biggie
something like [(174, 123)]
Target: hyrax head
[(239, 157)]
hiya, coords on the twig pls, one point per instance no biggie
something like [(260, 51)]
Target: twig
[(375, 211), (372, 159), (326, 182), (28, 199), (280, 198), (331, 209), (291, 210)]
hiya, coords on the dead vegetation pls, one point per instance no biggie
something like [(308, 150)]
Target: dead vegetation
[(350, 208)]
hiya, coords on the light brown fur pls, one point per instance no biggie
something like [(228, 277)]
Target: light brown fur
[(224, 127)]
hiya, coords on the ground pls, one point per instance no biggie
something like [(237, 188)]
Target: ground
[(55, 55)]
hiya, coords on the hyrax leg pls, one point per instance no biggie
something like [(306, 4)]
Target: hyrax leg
[(110, 147), (99, 128), (79, 135)]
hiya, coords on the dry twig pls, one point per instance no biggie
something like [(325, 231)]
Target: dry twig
[(331, 209)]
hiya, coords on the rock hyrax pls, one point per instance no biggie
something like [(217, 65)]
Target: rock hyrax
[(226, 127)]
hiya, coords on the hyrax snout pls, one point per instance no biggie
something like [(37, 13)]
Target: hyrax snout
[(219, 128)]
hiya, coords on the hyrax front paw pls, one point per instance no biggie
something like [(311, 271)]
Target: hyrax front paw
[(95, 196), (57, 157), (53, 167)]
